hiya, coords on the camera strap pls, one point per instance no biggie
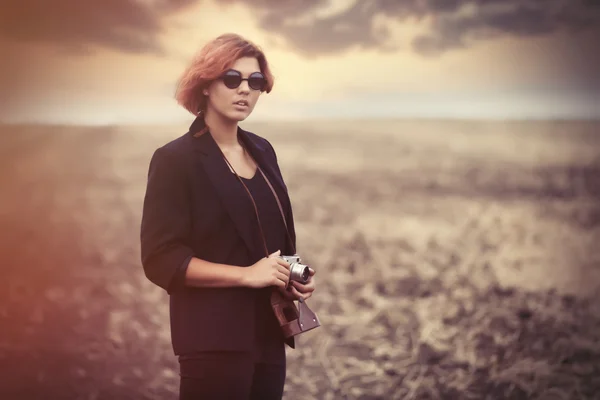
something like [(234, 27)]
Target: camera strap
[(292, 320)]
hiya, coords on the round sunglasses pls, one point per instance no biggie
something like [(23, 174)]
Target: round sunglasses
[(232, 79)]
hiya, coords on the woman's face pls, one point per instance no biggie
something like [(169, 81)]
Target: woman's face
[(228, 99)]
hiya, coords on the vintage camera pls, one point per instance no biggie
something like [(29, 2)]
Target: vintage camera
[(294, 321), (298, 272)]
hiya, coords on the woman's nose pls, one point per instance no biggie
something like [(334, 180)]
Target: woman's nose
[(244, 87)]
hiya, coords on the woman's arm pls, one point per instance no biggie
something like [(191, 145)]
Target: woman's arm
[(271, 271), (165, 230), (201, 273), (166, 222)]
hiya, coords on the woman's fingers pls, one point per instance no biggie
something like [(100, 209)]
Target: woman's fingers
[(291, 292), (283, 270), (283, 263), (299, 295), (279, 282), (283, 274), (309, 287), (287, 293), (282, 277), (292, 289)]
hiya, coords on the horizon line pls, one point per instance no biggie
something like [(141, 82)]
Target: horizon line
[(315, 119)]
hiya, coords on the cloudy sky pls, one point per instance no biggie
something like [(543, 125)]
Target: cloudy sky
[(117, 61)]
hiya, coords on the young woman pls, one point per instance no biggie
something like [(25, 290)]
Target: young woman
[(212, 231)]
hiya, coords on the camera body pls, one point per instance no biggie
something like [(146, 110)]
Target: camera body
[(298, 271)]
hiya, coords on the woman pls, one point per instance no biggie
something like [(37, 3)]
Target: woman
[(212, 231)]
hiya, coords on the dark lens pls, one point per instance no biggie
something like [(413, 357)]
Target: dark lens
[(305, 274), (257, 81), (232, 79)]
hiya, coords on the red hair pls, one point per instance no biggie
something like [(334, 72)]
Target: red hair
[(216, 57)]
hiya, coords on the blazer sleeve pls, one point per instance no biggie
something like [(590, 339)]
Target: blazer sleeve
[(166, 222)]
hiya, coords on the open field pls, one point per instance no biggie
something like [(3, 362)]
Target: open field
[(454, 260)]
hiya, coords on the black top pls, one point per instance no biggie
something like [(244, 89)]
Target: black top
[(270, 344)]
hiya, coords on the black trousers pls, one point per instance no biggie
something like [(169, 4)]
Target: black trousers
[(230, 376)]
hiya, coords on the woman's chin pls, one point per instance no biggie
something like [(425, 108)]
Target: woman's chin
[(238, 116)]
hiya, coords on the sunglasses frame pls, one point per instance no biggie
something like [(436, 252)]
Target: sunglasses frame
[(238, 75)]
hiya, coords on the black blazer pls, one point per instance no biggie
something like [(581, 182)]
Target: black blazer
[(190, 210)]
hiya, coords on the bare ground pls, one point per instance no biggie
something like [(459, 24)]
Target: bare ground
[(455, 260)]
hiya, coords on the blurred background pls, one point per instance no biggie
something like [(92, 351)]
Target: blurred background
[(443, 161)]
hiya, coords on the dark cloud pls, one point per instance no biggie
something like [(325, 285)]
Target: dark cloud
[(127, 25), (455, 23), (491, 18), (328, 35), (135, 25)]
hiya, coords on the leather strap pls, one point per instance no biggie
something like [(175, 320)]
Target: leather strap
[(292, 320), (280, 208)]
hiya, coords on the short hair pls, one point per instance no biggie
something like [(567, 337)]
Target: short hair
[(210, 63)]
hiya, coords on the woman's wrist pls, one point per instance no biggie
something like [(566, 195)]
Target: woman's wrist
[(201, 273), (242, 276)]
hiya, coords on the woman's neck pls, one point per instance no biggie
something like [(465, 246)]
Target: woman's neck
[(223, 130)]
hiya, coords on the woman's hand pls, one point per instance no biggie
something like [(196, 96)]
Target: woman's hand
[(268, 271), (297, 290)]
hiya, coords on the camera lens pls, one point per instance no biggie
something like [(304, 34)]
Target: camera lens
[(299, 272), (305, 274)]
